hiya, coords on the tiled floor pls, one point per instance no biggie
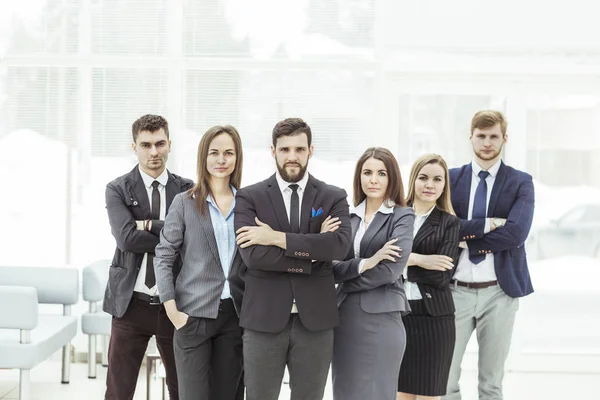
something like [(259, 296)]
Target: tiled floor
[(518, 385)]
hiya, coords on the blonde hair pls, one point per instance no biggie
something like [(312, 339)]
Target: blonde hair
[(488, 118), (444, 202)]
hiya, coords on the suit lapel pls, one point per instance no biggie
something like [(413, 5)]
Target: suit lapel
[(466, 190), (278, 204), (428, 227), (139, 192), (354, 223), (172, 189), (207, 227), (497, 189), (376, 224), (308, 200)]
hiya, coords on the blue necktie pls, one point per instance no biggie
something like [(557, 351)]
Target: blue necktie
[(480, 208)]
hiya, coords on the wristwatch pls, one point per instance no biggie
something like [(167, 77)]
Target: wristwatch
[(498, 222)]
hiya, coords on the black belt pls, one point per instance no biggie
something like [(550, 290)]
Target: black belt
[(152, 300), (475, 285)]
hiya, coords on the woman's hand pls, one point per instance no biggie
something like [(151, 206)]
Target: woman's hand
[(179, 319), (330, 224), (434, 262), (389, 252)]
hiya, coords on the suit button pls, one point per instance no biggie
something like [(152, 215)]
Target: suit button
[(300, 270), (307, 254)]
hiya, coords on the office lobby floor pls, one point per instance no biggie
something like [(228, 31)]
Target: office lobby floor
[(518, 385)]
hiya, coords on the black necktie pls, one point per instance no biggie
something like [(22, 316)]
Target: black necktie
[(480, 209), (294, 209), (150, 278)]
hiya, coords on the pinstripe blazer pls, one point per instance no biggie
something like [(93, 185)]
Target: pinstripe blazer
[(199, 285), (438, 235)]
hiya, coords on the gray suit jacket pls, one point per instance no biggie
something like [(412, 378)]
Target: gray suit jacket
[(380, 289), (126, 202), (197, 290)]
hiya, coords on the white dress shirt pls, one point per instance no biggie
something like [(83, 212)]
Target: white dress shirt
[(360, 211), (466, 271), (140, 285), (286, 192), (411, 288)]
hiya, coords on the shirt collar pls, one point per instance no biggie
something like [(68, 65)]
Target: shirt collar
[(210, 199), (427, 214), (162, 178), (493, 170), (385, 208), (283, 185)]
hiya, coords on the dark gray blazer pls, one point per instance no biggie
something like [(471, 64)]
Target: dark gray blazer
[(380, 289), (199, 285), (127, 202)]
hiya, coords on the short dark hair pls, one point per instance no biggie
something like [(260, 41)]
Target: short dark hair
[(291, 127), (151, 123)]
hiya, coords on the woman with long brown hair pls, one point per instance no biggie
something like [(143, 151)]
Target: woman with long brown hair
[(204, 301), (430, 331), (370, 340)]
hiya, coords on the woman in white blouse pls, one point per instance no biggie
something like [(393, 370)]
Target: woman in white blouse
[(370, 340)]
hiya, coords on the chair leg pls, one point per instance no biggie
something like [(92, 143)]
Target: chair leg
[(105, 350), (24, 384), (92, 356), (66, 363), (149, 365)]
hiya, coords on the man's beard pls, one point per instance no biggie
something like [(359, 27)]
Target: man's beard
[(488, 157), (292, 178)]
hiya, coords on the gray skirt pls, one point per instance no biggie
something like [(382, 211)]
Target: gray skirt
[(367, 353)]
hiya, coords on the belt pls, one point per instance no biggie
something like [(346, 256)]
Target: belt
[(475, 285), (152, 300)]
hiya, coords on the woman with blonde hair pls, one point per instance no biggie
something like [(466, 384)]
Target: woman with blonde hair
[(430, 331)]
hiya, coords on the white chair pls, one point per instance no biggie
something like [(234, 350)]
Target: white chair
[(26, 337), (95, 323)]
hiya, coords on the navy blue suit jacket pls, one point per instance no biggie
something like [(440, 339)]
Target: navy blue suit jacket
[(512, 198)]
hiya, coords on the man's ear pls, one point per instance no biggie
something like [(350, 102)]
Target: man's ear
[(311, 149), (134, 147), (273, 151)]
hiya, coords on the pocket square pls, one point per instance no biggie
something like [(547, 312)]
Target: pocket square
[(316, 213)]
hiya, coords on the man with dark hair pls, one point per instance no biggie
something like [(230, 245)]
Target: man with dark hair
[(289, 307), (495, 205), (137, 203)]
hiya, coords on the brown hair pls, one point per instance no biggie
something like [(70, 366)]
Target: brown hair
[(149, 122), (202, 187), (291, 127), (488, 118), (395, 188), (444, 202)]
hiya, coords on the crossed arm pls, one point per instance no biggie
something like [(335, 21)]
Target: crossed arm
[(515, 231), (386, 271), (263, 248), (123, 225)]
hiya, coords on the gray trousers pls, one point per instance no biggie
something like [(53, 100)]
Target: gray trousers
[(491, 313), (307, 355)]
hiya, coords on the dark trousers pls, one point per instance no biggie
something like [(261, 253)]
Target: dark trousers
[(208, 354), (128, 342), (307, 355)]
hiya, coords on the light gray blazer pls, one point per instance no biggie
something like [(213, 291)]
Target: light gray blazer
[(380, 289), (199, 285)]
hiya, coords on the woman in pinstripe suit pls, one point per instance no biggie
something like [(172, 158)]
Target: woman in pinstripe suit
[(369, 342), (204, 302), (430, 332)]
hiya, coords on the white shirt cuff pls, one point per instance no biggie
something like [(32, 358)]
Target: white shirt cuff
[(360, 265)]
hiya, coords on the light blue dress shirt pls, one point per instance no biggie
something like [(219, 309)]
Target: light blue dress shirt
[(225, 237)]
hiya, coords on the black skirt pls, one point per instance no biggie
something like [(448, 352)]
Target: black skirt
[(428, 355)]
